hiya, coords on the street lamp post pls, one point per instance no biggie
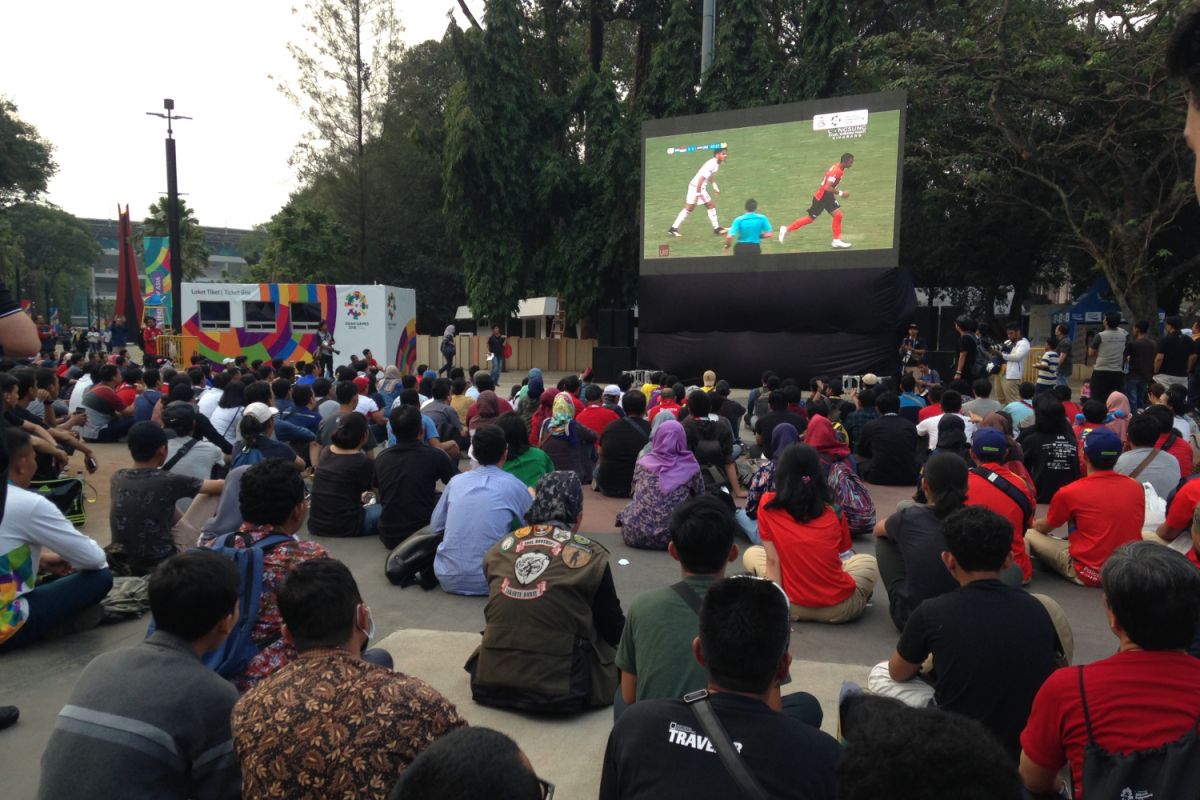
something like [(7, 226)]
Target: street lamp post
[(173, 217)]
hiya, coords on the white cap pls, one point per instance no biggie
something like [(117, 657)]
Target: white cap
[(227, 361), (612, 389), (870, 379), (261, 412)]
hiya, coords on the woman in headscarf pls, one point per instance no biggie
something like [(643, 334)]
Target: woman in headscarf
[(487, 409), (1118, 415), (448, 350), (571, 446), (783, 436), (829, 444), (389, 387), (541, 415), (530, 395), (558, 501), (662, 479), (840, 471), (658, 421), (525, 388)]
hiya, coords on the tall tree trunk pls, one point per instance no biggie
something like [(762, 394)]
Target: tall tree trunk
[(596, 37)]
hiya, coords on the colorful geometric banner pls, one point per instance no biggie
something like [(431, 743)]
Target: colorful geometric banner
[(157, 288)]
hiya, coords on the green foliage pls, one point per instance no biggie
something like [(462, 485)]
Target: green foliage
[(742, 71), (55, 254), (304, 245), (192, 248), (672, 86), (26, 160), (820, 67)]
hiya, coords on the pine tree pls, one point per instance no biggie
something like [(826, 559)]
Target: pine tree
[(820, 68), (741, 73), (671, 87)]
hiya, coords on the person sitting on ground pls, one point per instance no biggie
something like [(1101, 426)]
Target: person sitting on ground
[(620, 444), (147, 527), (783, 436), (528, 463), (1094, 415), (302, 411), (743, 646), (887, 447), (407, 475), (485, 411), (1020, 411), (570, 445), (475, 511), (553, 616), (152, 720), (864, 412), (471, 762), (1103, 511), (933, 400), (186, 453), (726, 407), (778, 414), (257, 442), (484, 383), (445, 418), (952, 437), (806, 545), (1144, 462), (344, 484), (366, 721), (272, 502), (409, 397), (541, 415), (1049, 447), (992, 644), (1142, 698), (181, 392), (666, 404), (108, 418), (710, 440), (982, 404), (951, 406), (662, 479), (909, 543), (655, 654), (904, 753), (992, 485), (460, 401), (1169, 439), (35, 537), (347, 399), (596, 415)]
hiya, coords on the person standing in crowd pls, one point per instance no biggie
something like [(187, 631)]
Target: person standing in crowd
[(1102, 511), (152, 720), (150, 334), (1176, 356), (545, 587), (1064, 347), (657, 748), (663, 478), (1140, 699), (1047, 368), (912, 348), (748, 231), (965, 367), (448, 350), (325, 349), (496, 344), (1015, 354), (359, 722), (1140, 351), (992, 644), (1107, 348), (806, 545)]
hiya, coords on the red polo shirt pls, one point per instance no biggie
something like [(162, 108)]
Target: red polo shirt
[(981, 492), (1102, 512)]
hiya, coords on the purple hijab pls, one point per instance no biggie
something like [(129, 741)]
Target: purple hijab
[(669, 457)]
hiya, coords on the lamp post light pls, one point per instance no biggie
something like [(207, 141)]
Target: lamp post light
[(175, 245)]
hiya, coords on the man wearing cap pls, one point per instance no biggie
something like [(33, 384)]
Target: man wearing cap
[(912, 349), (596, 416), (1102, 511), (146, 526), (612, 399), (994, 486), (710, 381)]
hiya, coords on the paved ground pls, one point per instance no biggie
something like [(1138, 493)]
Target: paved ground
[(432, 633)]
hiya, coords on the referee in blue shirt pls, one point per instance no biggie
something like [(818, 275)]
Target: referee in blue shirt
[(749, 230)]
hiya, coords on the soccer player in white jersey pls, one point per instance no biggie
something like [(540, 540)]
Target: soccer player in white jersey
[(697, 192)]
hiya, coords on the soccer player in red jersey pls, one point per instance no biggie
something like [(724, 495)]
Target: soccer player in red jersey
[(826, 199)]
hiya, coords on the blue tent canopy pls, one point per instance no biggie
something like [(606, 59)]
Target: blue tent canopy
[(1091, 307)]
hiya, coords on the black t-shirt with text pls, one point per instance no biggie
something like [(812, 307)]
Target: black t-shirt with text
[(658, 751), (1051, 458)]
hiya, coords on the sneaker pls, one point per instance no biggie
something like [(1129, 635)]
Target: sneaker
[(674, 232), (840, 243), (782, 233), (720, 231)]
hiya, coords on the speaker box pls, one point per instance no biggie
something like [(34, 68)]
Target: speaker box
[(615, 327), (609, 362)]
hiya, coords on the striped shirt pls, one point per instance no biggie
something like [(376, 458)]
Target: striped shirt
[(1047, 368)]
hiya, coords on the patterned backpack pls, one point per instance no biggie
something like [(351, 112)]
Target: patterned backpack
[(852, 497)]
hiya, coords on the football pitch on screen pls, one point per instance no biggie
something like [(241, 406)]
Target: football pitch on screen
[(781, 166)]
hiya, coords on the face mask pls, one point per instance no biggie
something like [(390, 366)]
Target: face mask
[(370, 631)]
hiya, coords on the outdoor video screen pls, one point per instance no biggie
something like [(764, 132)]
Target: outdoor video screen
[(825, 174)]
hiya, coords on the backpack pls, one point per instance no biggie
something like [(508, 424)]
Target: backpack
[(248, 456), (983, 359), (852, 497), (230, 659)]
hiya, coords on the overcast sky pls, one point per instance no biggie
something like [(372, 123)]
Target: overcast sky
[(84, 73)]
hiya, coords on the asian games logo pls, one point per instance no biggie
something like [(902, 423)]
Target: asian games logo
[(356, 305), (391, 306)]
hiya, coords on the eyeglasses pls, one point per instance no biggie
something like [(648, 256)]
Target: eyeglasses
[(546, 788)]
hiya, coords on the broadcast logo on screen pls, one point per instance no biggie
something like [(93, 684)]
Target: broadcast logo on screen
[(842, 124)]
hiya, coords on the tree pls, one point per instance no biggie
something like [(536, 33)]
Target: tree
[(304, 245), (671, 87), (820, 66), (191, 245), (742, 70), (252, 244), (57, 252), (342, 84), (490, 151), (26, 160)]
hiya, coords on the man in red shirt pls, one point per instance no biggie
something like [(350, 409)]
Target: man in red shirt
[(934, 409), (595, 416), (666, 401), (1102, 512), (150, 335), (826, 199), (992, 485), (1181, 511), (1141, 698)]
